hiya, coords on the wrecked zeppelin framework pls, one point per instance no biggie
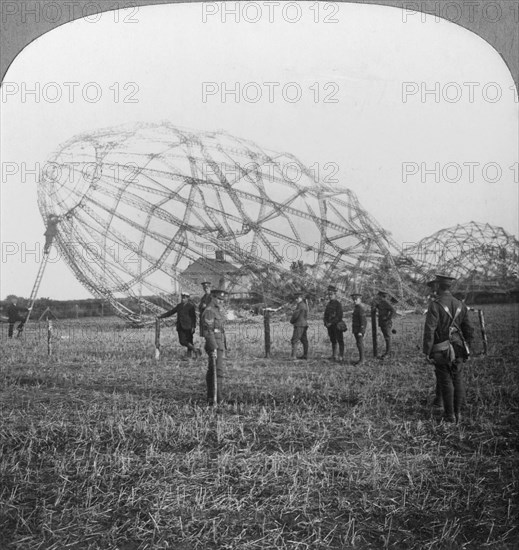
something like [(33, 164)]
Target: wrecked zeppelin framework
[(479, 255), (136, 205)]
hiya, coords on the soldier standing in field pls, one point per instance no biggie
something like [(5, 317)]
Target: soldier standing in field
[(358, 325), (299, 320), (386, 312), (213, 321), (14, 316), (204, 302), (186, 322), (332, 316), (446, 351)]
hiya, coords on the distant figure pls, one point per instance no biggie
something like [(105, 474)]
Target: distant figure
[(204, 302), (299, 320), (186, 322), (333, 316), (386, 312), (358, 325), (50, 232), (213, 321), (14, 316), (446, 314)]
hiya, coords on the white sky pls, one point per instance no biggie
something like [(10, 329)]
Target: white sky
[(369, 133)]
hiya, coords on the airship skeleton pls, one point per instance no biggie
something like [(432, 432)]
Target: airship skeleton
[(137, 204)]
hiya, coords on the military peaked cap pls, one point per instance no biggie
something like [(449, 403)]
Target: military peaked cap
[(206, 283), (186, 294), (332, 288), (445, 280), (356, 295), (217, 293)]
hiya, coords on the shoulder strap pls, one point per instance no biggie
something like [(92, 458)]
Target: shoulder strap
[(458, 311), (447, 311)]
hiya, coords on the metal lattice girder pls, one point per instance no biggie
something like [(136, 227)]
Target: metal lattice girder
[(474, 253), (167, 196)]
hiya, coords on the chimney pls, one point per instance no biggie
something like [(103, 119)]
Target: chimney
[(219, 255)]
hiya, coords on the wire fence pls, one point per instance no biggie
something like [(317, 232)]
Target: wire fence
[(96, 338)]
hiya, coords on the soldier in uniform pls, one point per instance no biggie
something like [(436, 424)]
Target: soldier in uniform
[(386, 312), (213, 321), (443, 312), (358, 325), (186, 322), (204, 302), (332, 316), (14, 316), (299, 320)]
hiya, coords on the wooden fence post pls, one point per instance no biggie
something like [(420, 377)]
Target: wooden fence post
[(157, 339), (49, 337), (266, 324), (483, 331)]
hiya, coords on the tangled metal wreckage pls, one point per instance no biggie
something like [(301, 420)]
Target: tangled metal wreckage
[(130, 208)]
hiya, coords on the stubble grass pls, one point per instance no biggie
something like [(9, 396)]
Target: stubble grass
[(104, 447)]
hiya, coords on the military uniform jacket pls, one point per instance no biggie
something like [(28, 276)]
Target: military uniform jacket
[(332, 312), (386, 312), (213, 326), (186, 315), (13, 313), (359, 321), (300, 315), (204, 302), (437, 321)]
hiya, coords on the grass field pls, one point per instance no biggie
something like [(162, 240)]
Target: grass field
[(104, 447)]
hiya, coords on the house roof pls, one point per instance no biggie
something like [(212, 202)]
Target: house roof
[(210, 265)]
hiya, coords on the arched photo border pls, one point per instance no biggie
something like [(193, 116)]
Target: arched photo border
[(502, 34)]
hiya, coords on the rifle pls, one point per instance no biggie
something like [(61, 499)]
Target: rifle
[(482, 328)]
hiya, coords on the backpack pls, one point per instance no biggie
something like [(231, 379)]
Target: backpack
[(445, 353)]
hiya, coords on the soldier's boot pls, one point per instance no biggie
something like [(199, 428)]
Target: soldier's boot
[(438, 399), (305, 351), (341, 352), (448, 404), (190, 350), (388, 349), (293, 355), (361, 356), (334, 352)]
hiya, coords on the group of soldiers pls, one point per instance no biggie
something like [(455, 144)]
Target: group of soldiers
[(448, 334), (334, 323), (445, 315), (212, 328)]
